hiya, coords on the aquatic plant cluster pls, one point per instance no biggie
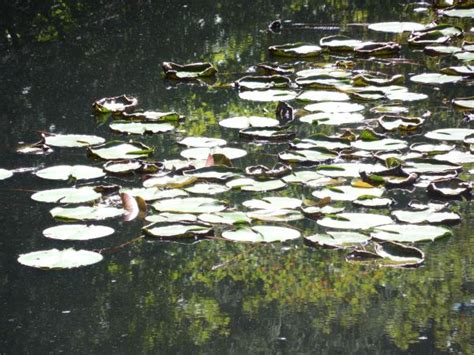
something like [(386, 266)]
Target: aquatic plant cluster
[(363, 164)]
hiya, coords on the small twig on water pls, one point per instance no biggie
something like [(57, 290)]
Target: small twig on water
[(120, 246)]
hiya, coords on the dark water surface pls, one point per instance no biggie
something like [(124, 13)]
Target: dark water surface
[(157, 297)]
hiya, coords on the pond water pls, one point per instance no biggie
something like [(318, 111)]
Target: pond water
[(214, 296)]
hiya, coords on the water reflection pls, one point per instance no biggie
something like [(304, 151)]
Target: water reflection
[(156, 297)]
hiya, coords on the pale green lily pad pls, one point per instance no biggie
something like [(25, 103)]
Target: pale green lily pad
[(141, 128), (464, 103), (229, 218), (323, 83), (406, 96), (273, 203), (115, 105), (246, 184), (67, 195), (465, 56), (177, 230), (322, 95), (243, 122), (347, 193), (120, 150), (435, 78), (459, 13), (267, 95), (202, 142), (122, 167), (396, 27), (366, 79), (263, 82), (77, 232), (188, 71), (333, 118), (430, 166), (152, 116), (354, 221), (189, 205), (450, 187), (461, 70), (315, 211), (373, 202), (72, 140), (431, 148), (309, 178), (86, 212), (272, 215), (59, 259), (324, 72), (456, 157), (348, 169), (409, 233), (66, 172), (267, 134), (378, 48), (335, 239), (339, 43), (321, 142), (211, 173), (171, 217), (203, 153), (380, 145), (306, 156), (450, 134), (392, 123), (169, 181), (154, 193), (262, 234), (399, 255), (5, 174), (425, 216), (334, 106), (207, 189), (295, 50)]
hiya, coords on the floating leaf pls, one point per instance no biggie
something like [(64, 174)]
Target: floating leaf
[(409, 233), (450, 134), (347, 193), (441, 50), (169, 181), (207, 189), (339, 43), (295, 50), (348, 169), (267, 95), (59, 259), (282, 215), (335, 106), (430, 166), (177, 230), (396, 27), (67, 195), (391, 123), (372, 202), (154, 193), (324, 72), (66, 172), (213, 173), (354, 221), (229, 218), (203, 153), (322, 95), (263, 82), (378, 48), (368, 79), (450, 187), (435, 78), (306, 156), (406, 96), (189, 205), (71, 140), (425, 216), (333, 118), (380, 145), (335, 239), (86, 212), (115, 105), (171, 217), (5, 174), (243, 122), (246, 184), (462, 70), (262, 234), (431, 148), (121, 150), (266, 134), (202, 142), (152, 116), (469, 12), (188, 71), (273, 203), (309, 178), (466, 103), (77, 232), (122, 167), (399, 255), (456, 157), (140, 128)]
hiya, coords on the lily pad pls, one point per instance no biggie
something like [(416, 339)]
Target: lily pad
[(306, 156), (77, 232), (246, 184), (72, 140), (266, 134), (269, 215), (456, 157), (378, 48), (189, 205), (171, 217), (67, 195), (391, 123), (273, 203), (169, 181), (399, 255), (154, 193), (406, 96), (140, 127), (435, 78), (188, 71), (396, 27), (86, 212), (261, 172), (202, 142), (426, 216), (263, 82), (262, 234), (372, 202), (203, 153), (380, 145), (333, 118), (335, 239), (229, 218), (450, 188), (347, 193), (243, 122), (431, 148), (213, 173), (121, 150), (322, 95), (66, 172), (450, 134), (469, 12), (466, 103), (152, 116), (267, 95), (207, 189), (59, 259), (295, 50), (177, 230), (368, 79), (409, 233), (339, 43), (348, 169), (354, 221), (115, 105), (122, 167), (335, 106), (5, 174), (430, 166)]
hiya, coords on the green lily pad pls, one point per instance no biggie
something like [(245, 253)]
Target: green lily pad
[(188, 71), (121, 150), (140, 127), (246, 184), (267, 95), (262, 234), (339, 43), (213, 173), (348, 169), (456, 157), (59, 259), (399, 255), (461, 70), (115, 105), (171, 217), (207, 189), (66, 172), (262, 172), (392, 123), (203, 153), (341, 240), (396, 27), (266, 134), (273, 203), (425, 216), (309, 178), (409, 233), (306, 156), (430, 166), (86, 212), (431, 148), (333, 118), (67, 195), (378, 48), (450, 134), (229, 218), (202, 142), (354, 221), (154, 193), (72, 140), (324, 72), (335, 106), (380, 145), (321, 142), (466, 103), (435, 78), (406, 96), (316, 212), (243, 122), (263, 82), (368, 79), (269, 215), (177, 230), (323, 83), (372, 202), (77, 232), (152, 116), (469, 12), (5, 174), (389, 109), (347, 193), (189, 205), (322, 95), (169, 181), (465, 56), (295, 50), (450, 188), (122, 167), (441, 50)]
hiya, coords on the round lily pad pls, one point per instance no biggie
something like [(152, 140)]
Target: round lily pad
[(372, 202), (5, 174), (169, 181), (247, 184), (115, 105), (72, 140), (335, 106), (339, 43), (348, 169), (86, 212), (431, 148), (122, 167), (267, 95), (203, 153), (229, 218), (354, 221), (202, 142), (428, 216), (273, 203), (189, 205), (333, 118), (65, 172), (435, 78), (306, 156), (207, 189), (77, 232), (177, 230), (213, 173), (380, 145), (59, 259), (67, 195), (262, 234), (406, 96), (347, 193), (391, 123), (120, 150), (410, 233), (464, 103), (322, 95), (469, 12), (190, 71), (243, 122), (171, 217), (396, 27), (456, 157), (450, 134), (298, 50), (335, 239), (154, 193), (268, 215), (141, 128)]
